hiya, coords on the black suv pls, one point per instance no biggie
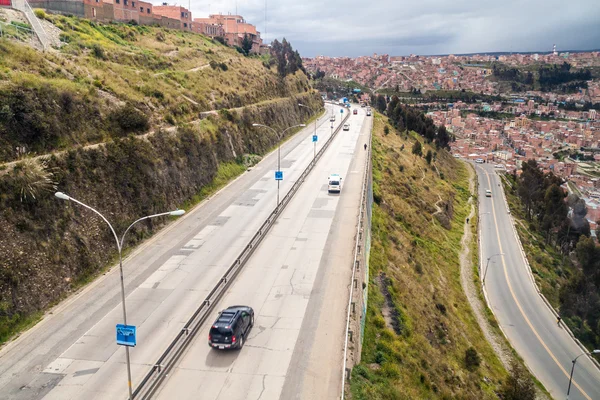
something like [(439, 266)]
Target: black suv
[(231, 328)]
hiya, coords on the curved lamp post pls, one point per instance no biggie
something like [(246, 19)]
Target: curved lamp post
[(488, 263), (175, 213), (573, 367), (279, 136), (315, 132)]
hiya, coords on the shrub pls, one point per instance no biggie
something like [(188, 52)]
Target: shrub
[(472, 359), (386, 130), (40, 13), (221, 40), (518, 385), (160, 36), (98, 51), (129, 119)]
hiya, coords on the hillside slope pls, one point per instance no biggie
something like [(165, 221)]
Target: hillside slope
[(109, 80), (422, 339), (98, 115)]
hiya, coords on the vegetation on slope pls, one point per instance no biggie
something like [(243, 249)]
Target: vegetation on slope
[(99, 111), (109, 80), (421, 338)]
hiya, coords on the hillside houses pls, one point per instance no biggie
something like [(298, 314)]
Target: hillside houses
[(232, 28)]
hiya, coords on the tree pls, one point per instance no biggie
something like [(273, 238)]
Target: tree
[(247, 44), (518, 385), (443, 138), (555, 210), (428, 156), (380, 103), (531, 187), (588, 256), (417, 149)]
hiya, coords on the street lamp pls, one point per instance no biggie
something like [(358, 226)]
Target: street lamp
[(573, 367), (314, 134), (488, 263), (279, 136), (175, 213)]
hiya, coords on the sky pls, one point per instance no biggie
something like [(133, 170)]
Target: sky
[(402, 27)]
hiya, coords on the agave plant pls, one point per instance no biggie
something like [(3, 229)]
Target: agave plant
[(32, 177)]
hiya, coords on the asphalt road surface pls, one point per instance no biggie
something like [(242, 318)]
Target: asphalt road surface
[(530, 326), (72, 354), (297, 281)]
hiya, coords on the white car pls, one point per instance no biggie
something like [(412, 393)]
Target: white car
[(334, 183), (346, 127), (488, 193), (479, 161), (332, 119)]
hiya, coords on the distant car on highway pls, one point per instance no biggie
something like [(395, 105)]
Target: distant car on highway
[(488, 193), (499, 166), (231, 328), (332, 119), (355, 112), (479, 161), (346, 127), (369, 112), (335, 183)]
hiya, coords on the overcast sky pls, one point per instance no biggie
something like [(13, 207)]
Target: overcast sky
[(401, 27)]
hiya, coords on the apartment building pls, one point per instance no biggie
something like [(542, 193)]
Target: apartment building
[(232, 28), (176, 13)]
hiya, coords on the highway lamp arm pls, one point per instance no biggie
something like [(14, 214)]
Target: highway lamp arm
[(488, 263), (175, 213), (63, 196), (597, 351)]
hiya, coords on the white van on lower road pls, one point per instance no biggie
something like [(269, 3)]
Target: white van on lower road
[(334, 183)]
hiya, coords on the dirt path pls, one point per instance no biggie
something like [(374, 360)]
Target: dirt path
[(468, 285)]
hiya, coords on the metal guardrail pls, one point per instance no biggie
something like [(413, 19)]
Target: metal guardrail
[(13, 30), (359, 238), (153, 379)]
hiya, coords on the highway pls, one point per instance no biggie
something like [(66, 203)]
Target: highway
[(72, 353), (298, 284), (526, 320)]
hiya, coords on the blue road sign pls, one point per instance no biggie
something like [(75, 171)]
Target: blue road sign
[(341, 110), (315, 138), (126, 335), (278, 175)]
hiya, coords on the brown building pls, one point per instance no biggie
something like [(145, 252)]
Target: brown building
[(208, 27), (234, 28), (145, 12), (176, 13)]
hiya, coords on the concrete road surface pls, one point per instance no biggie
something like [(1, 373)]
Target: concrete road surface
[(530, 326), (72, 353), (297, 281)]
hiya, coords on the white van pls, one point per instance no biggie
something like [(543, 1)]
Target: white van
[(479, 161), (334, 183), (346, 127)]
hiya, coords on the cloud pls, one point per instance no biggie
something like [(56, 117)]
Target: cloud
[(398, 27)]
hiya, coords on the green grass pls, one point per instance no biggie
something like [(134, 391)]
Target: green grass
[(423, 355)]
